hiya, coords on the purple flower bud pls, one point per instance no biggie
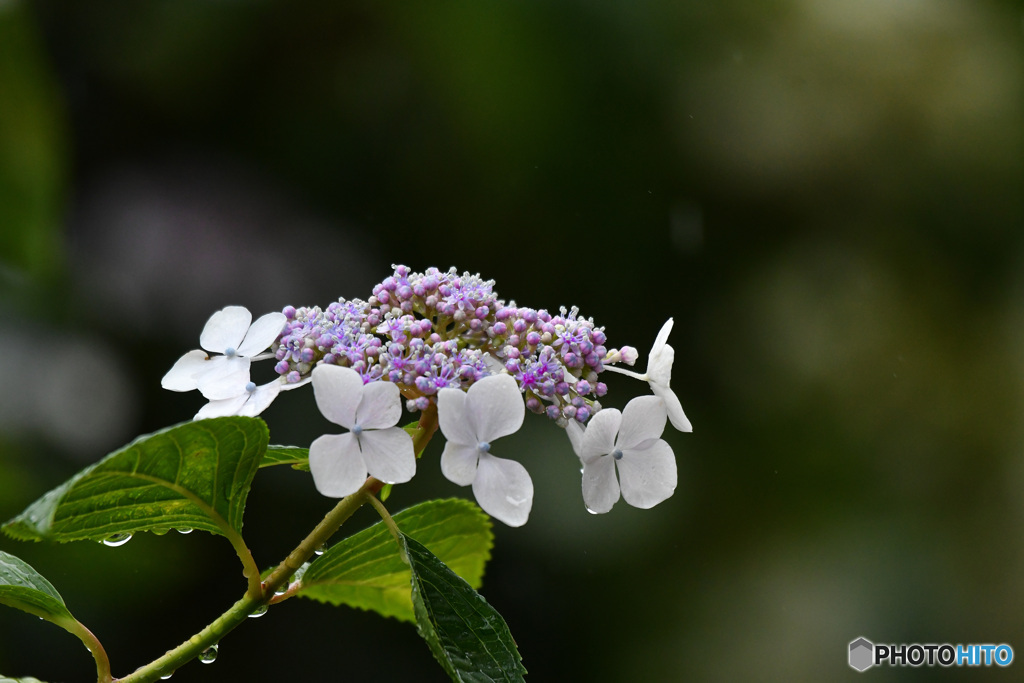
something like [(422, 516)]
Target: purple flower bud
[(294, 377), (533, 338), (482, 312), (289, 312), (583, 387), (307, 355), (553, 412), (513, 340), (529, 316), (499, 328), (534, 405), (583, 414), (601, 389), (569, 411), (282, 368), (519, 326), (422, 402)]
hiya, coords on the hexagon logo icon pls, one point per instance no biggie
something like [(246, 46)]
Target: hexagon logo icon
[(862, 654)]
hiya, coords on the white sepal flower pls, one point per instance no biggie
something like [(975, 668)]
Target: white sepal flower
[(629, 442), (659, 376), (470, 421), (227, 332), (250, 402), (373, 445)]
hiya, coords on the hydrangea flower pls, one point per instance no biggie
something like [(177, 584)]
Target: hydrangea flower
[(628, 443), (373, 445), (250, 401), (227, 332), (470, 421), (659, 375)]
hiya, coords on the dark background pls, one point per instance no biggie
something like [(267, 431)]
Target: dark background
[(826, 196)]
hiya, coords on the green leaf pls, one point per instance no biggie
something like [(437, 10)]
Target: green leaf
[(195, 475), (367, 571), (22, 587), (297, 458), (4, 679), (468, 637)]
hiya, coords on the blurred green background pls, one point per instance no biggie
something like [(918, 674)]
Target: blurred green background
[(825, 195)]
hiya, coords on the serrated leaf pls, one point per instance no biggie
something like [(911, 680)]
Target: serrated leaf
[(22, 587), (297, 458), (367, 571), (468, 637), (195, 475)]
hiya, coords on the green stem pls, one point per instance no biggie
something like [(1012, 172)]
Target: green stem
[(77, 628), (386, 516), (264, 595)]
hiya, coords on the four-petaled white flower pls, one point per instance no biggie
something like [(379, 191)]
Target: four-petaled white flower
[(470, 421), (227, 332), (631, 443), (250, 401), (659, 376), (373, 445)]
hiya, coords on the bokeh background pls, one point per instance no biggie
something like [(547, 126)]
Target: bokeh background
[(826, 195)]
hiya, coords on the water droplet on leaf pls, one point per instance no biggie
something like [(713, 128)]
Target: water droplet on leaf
[(184, 530), (117, 539), (209, 655)]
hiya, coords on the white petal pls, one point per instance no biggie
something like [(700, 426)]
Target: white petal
[(659, 365), (336, 464), (380, 406), (453, 420), (458, 462), (261, 399), (599, 438), (262, 334), (600, 487), (225, 329), (222, 408), (673, 407), (647, 476), (181, 377), (495, 407), (337, 391), (225, 378), (503, 489), (388, 454), (662, 337), (642, 420), (575, 431)]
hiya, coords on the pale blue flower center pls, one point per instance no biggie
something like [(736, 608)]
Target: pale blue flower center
[(230, 352), (357, 430), (617, 454), (483, 447), (250, 387)]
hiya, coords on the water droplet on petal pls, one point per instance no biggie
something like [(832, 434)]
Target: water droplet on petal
[(209, 655), (593, 512), (259, 612), (184, 530), (117, 539)]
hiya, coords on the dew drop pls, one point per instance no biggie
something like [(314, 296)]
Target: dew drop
[(184, 530), (164, 678), (209, 655), (320, 550), (260, 611), (593, 512), (117, 539), (282, 590)]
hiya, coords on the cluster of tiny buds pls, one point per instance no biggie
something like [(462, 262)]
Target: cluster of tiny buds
[(428, 331)]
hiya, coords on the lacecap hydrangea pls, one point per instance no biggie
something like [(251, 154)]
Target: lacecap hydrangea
[(435, 336)]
